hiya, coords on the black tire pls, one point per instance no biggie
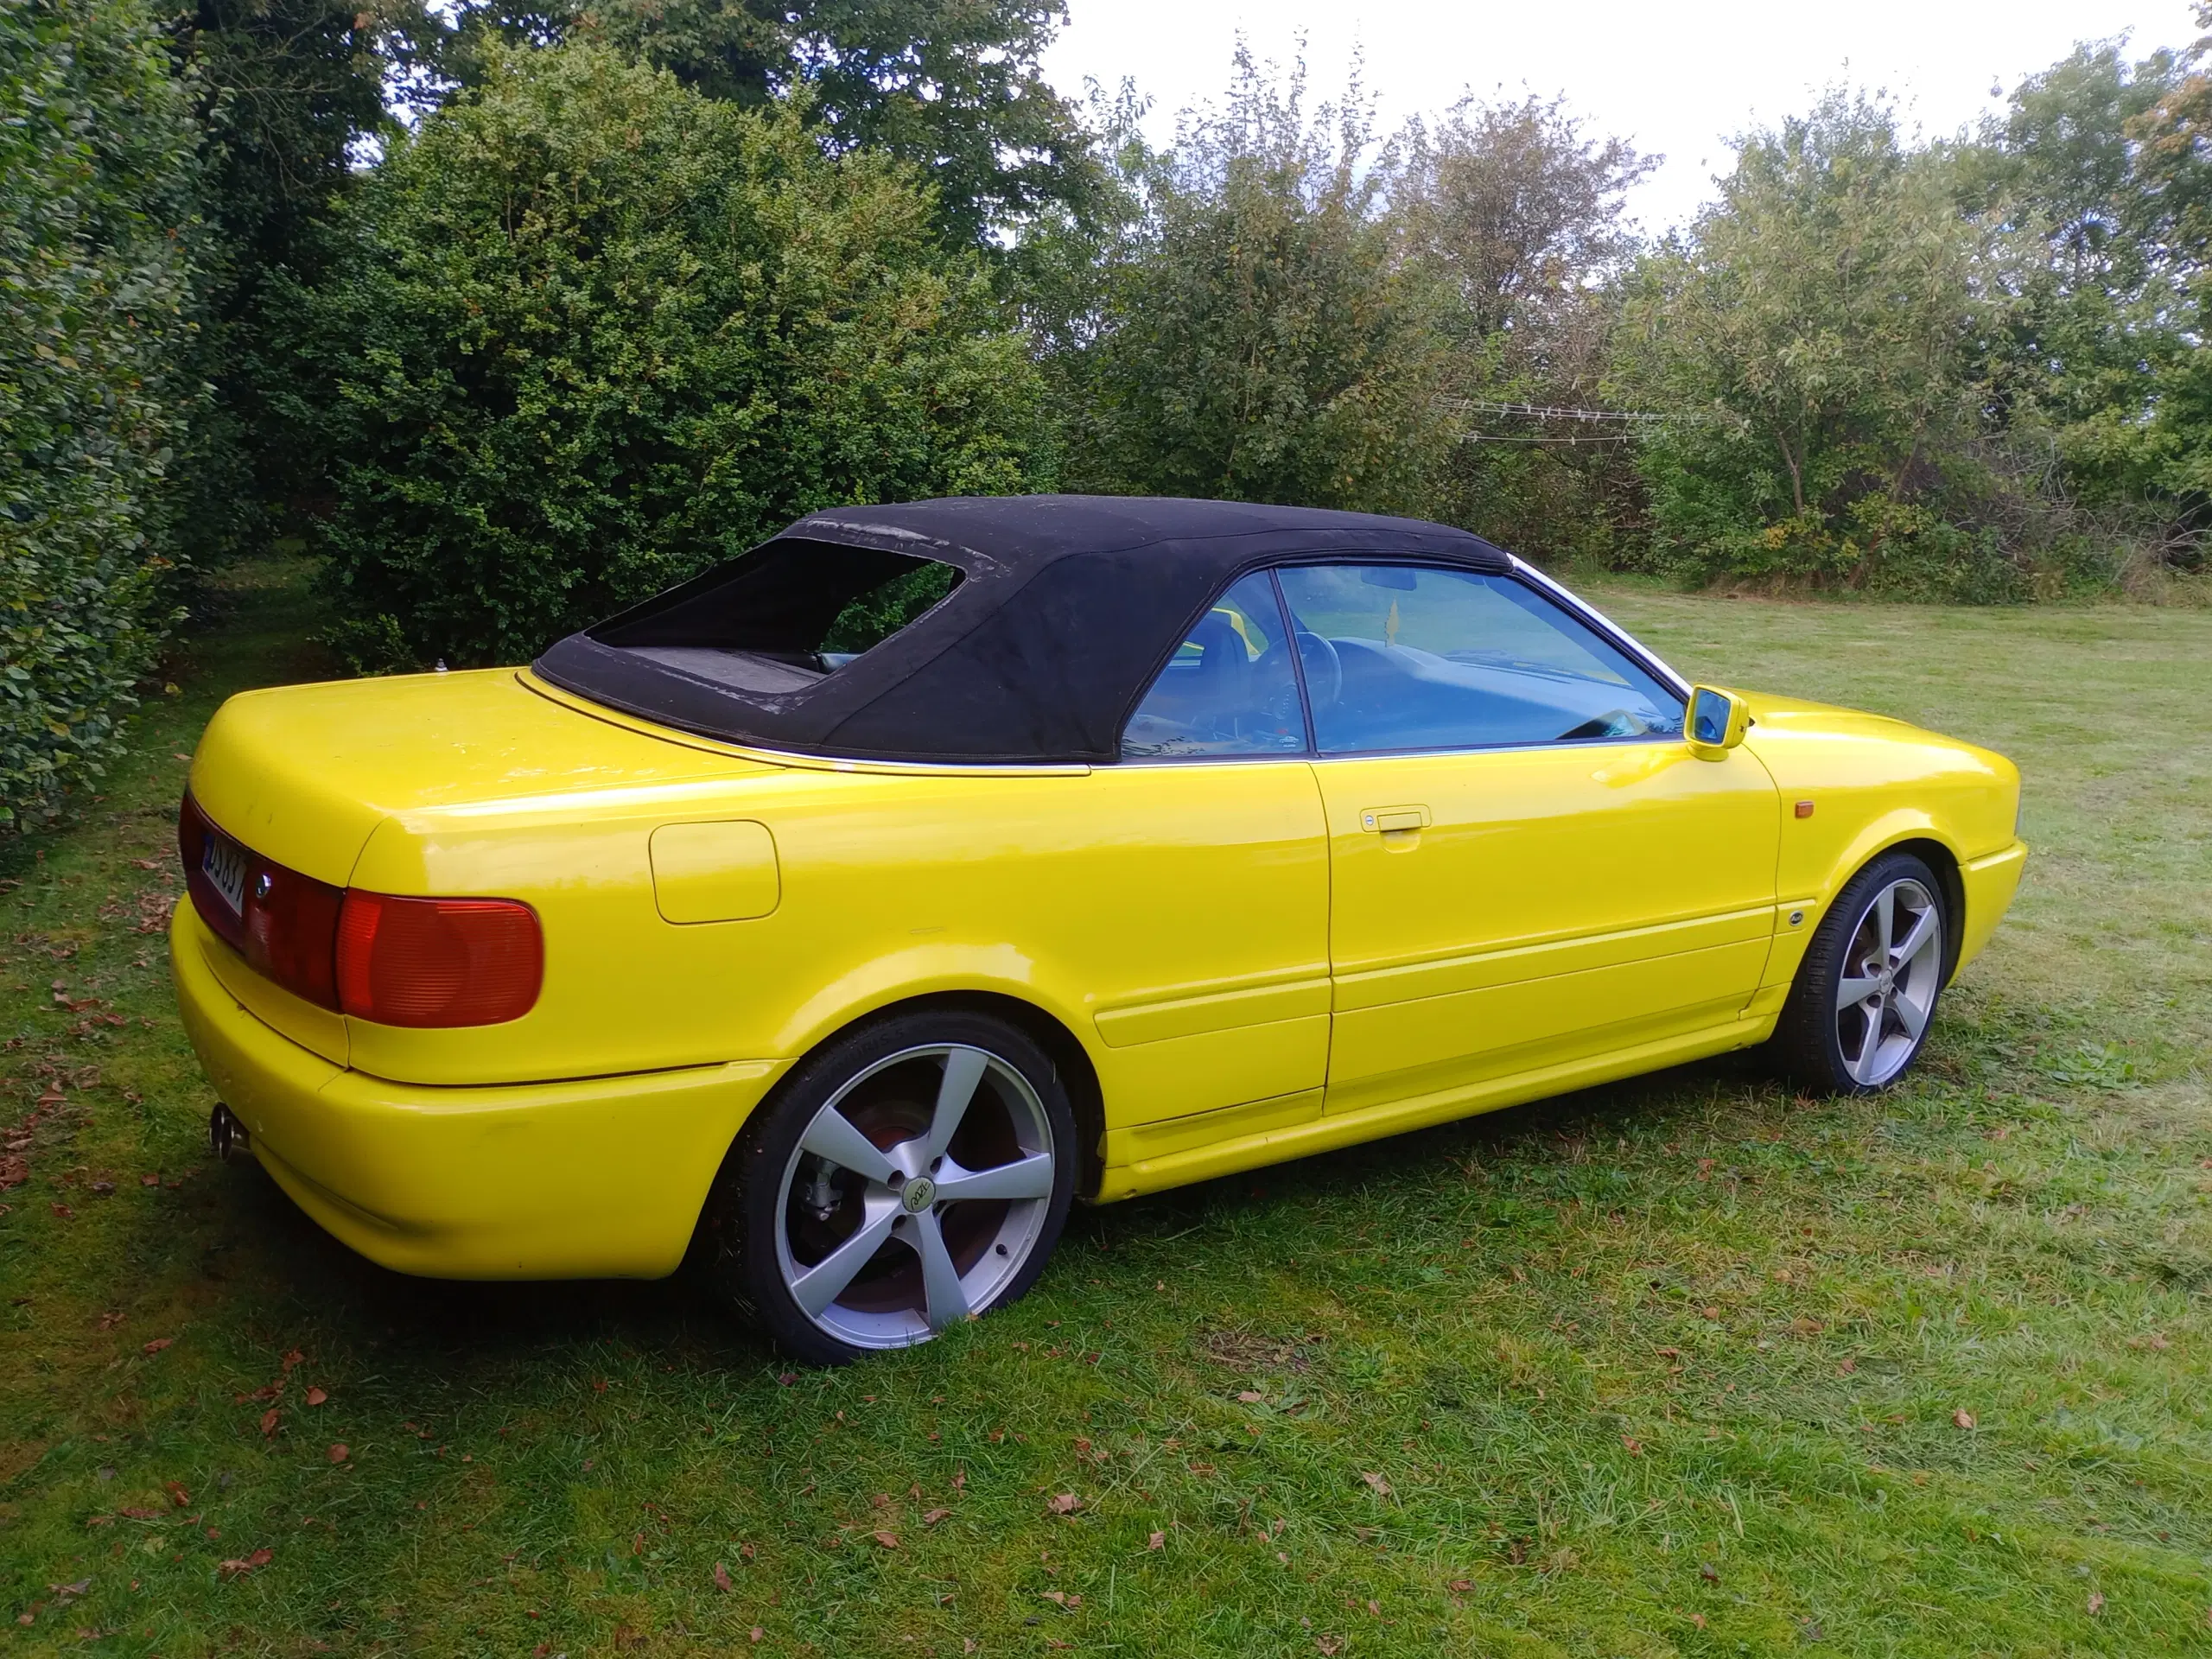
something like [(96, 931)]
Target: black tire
[(1811, 1045), (751, 1207)]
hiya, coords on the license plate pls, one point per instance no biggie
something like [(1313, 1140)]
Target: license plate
[(223, 863)]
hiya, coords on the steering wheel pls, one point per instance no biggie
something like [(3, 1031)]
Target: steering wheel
[(1325, 670)]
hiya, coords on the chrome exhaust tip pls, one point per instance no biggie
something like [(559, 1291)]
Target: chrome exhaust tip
[(227, 1137)]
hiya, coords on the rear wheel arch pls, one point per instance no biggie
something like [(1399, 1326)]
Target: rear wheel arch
[(1078, 1075)]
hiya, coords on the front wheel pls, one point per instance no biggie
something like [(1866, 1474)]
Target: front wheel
[(1865, 997), (911, 1174)]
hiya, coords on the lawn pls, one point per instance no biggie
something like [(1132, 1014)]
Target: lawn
[(1685, 1366)]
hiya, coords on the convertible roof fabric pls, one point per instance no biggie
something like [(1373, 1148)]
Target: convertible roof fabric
[(1067, 607)]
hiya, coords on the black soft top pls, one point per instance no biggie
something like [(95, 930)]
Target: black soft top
[(1066, 608)]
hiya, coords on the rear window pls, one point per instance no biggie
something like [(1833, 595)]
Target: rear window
[(784, 615)]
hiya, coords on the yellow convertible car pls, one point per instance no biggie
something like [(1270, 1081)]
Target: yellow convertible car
[(838, 918)]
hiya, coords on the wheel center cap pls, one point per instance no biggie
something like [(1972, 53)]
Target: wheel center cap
[(919, 1194)]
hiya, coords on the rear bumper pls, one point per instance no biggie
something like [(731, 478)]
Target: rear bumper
[(601, 1177), (1990, 884)]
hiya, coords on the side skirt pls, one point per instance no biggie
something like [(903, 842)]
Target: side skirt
[(1326, 1134)]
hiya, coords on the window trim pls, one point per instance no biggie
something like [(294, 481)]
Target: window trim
[(1543, 587), (1305, 752), (1534, 581)]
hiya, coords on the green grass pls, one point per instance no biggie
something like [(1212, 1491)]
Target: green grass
[(1674, 1367)]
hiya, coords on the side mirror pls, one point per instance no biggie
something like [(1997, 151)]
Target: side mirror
[(1717, 721)]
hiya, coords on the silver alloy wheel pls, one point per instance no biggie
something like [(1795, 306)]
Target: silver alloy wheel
[(1892, 969), (884, 1235)]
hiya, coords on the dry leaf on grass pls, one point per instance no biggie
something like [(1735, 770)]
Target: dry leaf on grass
[(888, 1540), (934, 1516), (238, 1569), (1963, 1417), (1159, 1540), (721, 1577), (316, 1397), (158, 1343), (1065, 1504), (1381, 1487), (339, 1451)]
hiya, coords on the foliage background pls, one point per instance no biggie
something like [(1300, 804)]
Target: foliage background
[(590, 331), (516, 310)]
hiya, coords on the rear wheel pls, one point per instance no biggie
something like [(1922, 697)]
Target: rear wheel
[(1865, 997), (913, 1174)]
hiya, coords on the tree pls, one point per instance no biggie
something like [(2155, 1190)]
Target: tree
[(1808, 340), (952, 87), (1521, 213), (587, 332), (97, 395), (1260, 336), (2085, 249), (285, 92)]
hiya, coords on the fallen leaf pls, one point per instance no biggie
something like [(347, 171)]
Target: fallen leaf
[(2096, 1603), (268, 1420), (721, 1577), (1635, 1446), (934, 1516), (1708, 1571), (240, 1569), (178, 1495), (1158, 1541), (746, 1551), (64, 1211), (158, 1343), (316, 1397), (1845, 1367), (756, 1633), (1381, 1487), (1058, 1597), (153, 1179), (339, 1451), (1460, 1586), (1964, 1418), (888, 1540), (1065, 1504), (1329, 1643), (1250, 1397)]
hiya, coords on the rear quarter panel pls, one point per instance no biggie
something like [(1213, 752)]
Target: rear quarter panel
[(1068, 891)]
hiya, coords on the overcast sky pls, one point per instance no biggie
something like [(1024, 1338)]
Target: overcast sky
[(1676, 78)]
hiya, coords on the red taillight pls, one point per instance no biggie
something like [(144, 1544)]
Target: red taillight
[(285, 924), (437, 961), (399, 961)]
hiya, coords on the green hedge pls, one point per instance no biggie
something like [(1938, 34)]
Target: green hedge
[(96, 332), (587, 332)]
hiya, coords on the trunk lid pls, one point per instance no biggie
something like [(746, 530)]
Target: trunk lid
[(303, 774)]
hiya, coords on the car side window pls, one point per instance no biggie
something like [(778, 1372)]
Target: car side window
[(1230, 688), (1418, 657)]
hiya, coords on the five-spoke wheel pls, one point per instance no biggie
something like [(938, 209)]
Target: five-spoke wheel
[(914, 1174), (1865, 994)]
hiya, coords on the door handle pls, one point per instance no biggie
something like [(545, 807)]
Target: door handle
[(1391, 820)]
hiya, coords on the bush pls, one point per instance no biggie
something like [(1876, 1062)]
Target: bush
[(1259, 336), (96, 328), (590, 332)]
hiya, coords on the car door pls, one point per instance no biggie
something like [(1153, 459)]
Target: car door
[(1213, 1015), (1528, 867)]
